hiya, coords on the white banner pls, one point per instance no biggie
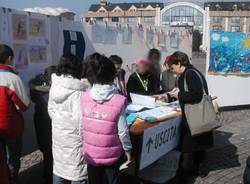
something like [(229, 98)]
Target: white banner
[(159, 140)]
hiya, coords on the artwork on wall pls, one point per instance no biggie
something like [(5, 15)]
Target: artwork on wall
[(19, 26), (38, 54), (229, 53), (37, 27), (21, 56)]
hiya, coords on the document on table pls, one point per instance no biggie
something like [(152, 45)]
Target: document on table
[(154, 114), (142, 100)]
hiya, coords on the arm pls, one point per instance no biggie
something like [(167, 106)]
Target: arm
[(18, 95), (195, 91), (51, 109), (123, 132), (129, 87)]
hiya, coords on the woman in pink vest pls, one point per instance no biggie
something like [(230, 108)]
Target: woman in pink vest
[(105, 131)]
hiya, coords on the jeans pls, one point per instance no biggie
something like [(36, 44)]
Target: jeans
[(104, 174), (59, 180), (13, 149)]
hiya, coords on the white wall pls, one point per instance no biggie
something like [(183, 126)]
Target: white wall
[(231, 90)]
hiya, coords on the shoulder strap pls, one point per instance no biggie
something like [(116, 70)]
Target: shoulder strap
[(201, 79)]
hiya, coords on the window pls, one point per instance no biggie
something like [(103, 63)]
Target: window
[(99, 18), (131, 19), (148, 19), (235, 28), (235, 20), (217, 28), (101, 11), (217, 20), (115, 19)]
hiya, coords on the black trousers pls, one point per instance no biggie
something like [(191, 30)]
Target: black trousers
[(104, 174)]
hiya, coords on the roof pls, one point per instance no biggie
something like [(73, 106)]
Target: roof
[(49, 10), (125, 6), (227, 6)]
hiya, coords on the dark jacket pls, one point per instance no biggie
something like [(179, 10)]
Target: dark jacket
[(40, 99), (168, 81), (194, 95), (134, 85)]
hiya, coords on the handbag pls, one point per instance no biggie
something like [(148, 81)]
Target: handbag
[(201, 117)]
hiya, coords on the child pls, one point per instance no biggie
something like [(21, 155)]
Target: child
[(120, 74), (39, 93), (105, 131), (13, 100), (64, 111)]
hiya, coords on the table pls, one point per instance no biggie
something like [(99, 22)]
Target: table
[(152, 140)]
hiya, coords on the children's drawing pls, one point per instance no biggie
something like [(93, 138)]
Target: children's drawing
[(38, 54), (37, 27), (19, 26), (229, 53), (21, 56)]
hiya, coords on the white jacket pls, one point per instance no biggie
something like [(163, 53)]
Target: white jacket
[(64, 110)]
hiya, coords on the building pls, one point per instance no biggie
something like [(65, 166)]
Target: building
[(201, 15), (134, 13), (229, 16)]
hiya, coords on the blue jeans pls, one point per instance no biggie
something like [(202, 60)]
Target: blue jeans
[(59, 180), (13, 154)]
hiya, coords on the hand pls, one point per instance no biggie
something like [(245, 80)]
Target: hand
[(174, 94), (128, 155), (158, 97)]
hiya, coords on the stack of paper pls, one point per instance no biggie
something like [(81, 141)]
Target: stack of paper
[(154, 114)]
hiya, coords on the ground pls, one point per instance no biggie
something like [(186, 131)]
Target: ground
[(225, 163)]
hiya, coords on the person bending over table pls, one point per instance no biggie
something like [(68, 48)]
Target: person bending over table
[(192, 147)]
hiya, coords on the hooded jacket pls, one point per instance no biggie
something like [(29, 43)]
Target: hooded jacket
[(64, 110), (13, 100)]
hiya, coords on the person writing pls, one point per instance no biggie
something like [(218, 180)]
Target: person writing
[(141, 81)]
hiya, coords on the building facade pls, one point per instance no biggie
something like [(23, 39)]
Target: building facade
[(229, 16), (195, 14), (133, 13)]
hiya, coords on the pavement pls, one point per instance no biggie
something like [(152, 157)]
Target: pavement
[(225, 162)]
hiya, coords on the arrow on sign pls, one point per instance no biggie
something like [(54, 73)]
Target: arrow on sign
[(150, 141)]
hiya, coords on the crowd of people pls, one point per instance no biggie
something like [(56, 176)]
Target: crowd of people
[(80, 117)]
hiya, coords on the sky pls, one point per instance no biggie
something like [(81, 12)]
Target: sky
[(77, 6)]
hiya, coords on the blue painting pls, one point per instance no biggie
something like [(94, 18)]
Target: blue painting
[(229, 53)]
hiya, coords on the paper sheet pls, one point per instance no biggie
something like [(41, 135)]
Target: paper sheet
[(145, 101)]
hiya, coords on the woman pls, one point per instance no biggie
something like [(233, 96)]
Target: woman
[(191, 147)]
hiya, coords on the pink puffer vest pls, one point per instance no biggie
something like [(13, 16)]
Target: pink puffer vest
[(101, 143)]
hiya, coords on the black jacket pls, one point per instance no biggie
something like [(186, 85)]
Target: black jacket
[(194, 95), (194, 84), (134, 85)]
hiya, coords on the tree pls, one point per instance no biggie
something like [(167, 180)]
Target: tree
[(197, 40)]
